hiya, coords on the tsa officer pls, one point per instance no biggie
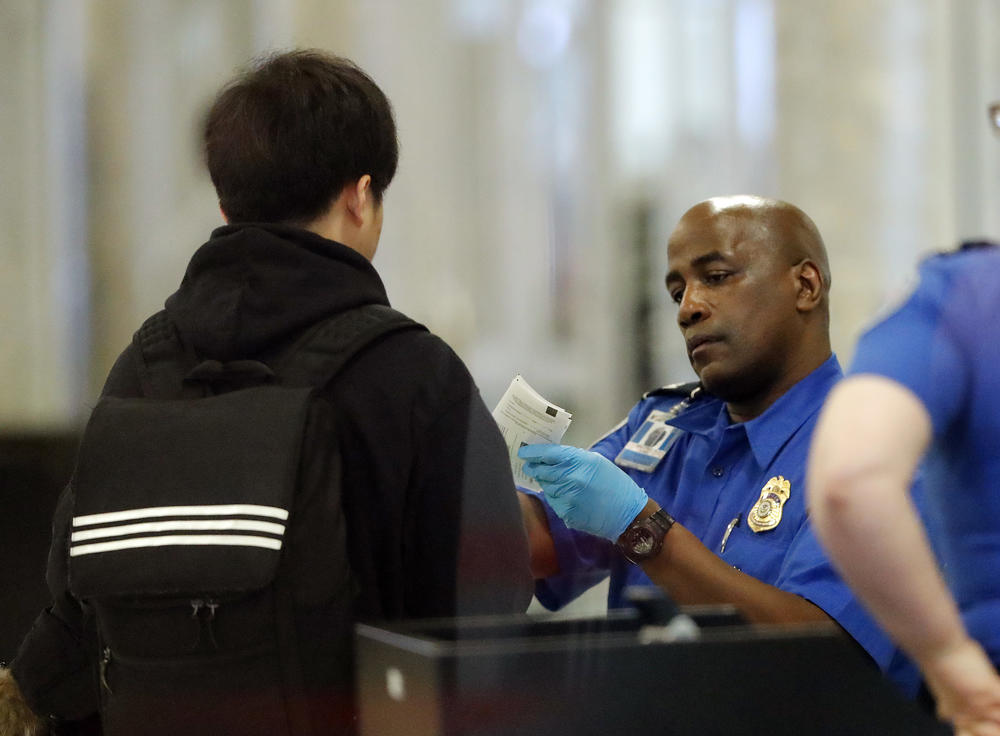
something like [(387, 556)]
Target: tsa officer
[(714, 512)]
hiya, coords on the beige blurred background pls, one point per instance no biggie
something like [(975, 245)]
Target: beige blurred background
[(548, 146)]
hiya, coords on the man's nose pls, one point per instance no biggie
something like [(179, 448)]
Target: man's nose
[(693, 308)]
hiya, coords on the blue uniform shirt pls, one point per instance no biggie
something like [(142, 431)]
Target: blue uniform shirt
[(713, 474), (944, 345)]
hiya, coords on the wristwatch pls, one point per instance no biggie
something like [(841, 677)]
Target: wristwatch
[(644, 538)]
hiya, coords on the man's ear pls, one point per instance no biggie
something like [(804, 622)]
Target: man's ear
[(357, 198), (810, 285), (222, 212)]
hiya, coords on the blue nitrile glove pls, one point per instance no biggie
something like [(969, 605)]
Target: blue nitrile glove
[(586, 490)]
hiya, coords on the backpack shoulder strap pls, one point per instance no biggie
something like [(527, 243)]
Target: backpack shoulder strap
[(320, 354), (162, 359), (314, 360)]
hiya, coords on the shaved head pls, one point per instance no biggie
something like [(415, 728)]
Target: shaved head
[(786, 228), (751, 280)]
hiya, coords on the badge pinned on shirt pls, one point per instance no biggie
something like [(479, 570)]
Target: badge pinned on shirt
[(766, 513), (650, 443)]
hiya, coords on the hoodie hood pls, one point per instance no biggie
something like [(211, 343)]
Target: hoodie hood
[(253, 287)]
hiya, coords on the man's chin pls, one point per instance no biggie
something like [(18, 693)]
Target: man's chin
[(719, 382)]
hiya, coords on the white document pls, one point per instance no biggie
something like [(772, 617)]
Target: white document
[(525, 417)]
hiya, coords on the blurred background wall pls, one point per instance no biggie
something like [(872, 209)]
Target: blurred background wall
[(548, 147)]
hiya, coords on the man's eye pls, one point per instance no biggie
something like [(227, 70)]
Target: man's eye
[(677, 295), (717, 277)]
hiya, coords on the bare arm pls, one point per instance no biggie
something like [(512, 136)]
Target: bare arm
[(686, 569), (692, 574), (866, 448), (541, 546)]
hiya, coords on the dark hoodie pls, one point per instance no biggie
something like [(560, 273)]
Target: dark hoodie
[(434, 527)]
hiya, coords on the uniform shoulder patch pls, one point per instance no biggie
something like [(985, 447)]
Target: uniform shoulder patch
[(674, 389)]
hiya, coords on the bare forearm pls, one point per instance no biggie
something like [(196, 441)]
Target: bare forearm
[(866, 448), (692, 574), (874, 535), (542, 548), (685, 569)]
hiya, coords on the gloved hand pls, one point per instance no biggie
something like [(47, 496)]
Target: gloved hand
[(586, 490)]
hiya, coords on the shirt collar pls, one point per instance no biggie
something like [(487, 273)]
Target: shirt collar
[(701, 417), (769, 432)]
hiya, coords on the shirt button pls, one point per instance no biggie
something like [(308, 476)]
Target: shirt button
[(717, 471)]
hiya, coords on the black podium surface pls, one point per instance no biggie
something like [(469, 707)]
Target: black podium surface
[(528, 676)]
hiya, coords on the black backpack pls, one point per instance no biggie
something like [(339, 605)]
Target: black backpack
[(209, 541)]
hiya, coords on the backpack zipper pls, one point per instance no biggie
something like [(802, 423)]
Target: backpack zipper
[(204, 610), (105, 661)]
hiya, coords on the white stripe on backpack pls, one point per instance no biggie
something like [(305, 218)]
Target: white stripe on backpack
[(237, 509), (105, 525), (151, 527), (227, 540)]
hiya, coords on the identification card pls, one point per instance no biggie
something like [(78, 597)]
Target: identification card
[(650, 443)]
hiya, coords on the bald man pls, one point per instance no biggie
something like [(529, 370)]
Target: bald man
[(713, 511)]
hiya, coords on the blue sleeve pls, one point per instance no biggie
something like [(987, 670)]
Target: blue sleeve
[(612, 443), (584, 560), (914, 347), (807, 572)]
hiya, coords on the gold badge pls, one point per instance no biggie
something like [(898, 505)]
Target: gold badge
[(766, 513)]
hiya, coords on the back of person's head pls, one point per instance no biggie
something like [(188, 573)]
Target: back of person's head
[(283, 138)]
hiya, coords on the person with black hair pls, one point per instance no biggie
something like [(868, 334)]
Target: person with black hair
[(301, 148)]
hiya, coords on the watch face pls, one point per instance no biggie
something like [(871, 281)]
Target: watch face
[(641, 541)]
